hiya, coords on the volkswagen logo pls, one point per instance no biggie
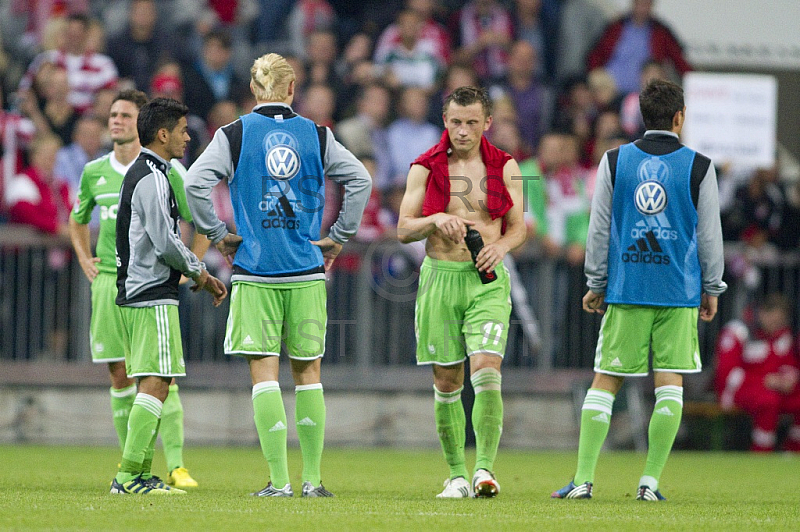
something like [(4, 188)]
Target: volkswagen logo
[(650, 198), (283, 162), (280, 138)]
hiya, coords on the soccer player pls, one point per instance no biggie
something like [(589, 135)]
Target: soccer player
[(458, 316), (150, 259), (275, 162), (99, 187), (654, 254)]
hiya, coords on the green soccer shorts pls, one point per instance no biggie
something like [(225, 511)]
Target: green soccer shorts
[(458, 316), (628, 332), (265, 315), (106, 336), (153, 340)]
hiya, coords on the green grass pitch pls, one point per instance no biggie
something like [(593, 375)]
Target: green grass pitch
[(66, 488)]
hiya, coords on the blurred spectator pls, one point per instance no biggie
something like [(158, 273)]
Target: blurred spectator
[(141, 46), (576, 109), (630, 114), (365, 133), (321, 52), (319, 104), (16, 132), (307, 17), (211, 76), (86, 145), (485, 29), (532, 99), (581, 24), (505, 135), (433, 37), (604, 89), (55, 115), (40, 12), (284, 26), (756, 213), (757, 371), (628, 42), (223, 113), (410, 135), (101, 108), (167, 83), (566, 223), (355, 69), (409, 60), (34, 197), (87, 71), (457, 75), (531, 24)]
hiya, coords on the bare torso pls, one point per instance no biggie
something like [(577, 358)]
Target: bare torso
[(467, 200)]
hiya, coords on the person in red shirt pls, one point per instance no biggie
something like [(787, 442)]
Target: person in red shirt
[(757, 371), (33, 197)]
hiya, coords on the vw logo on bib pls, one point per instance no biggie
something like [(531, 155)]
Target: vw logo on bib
[(283, 161), (650, 198)]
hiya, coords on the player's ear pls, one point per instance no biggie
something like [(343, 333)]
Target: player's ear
[(488, 123)]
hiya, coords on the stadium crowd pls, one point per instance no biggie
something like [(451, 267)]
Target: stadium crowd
[(564, 88)]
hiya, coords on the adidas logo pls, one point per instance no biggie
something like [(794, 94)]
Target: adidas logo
[(616, 363), (102, 180), (306, 422), (646, 250), (278, 426), (664, 411), (247, 340), (602, 417)]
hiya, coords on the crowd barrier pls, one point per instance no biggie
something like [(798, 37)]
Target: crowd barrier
[(46, 305)]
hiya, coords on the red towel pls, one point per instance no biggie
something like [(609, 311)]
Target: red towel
[(437, 194)]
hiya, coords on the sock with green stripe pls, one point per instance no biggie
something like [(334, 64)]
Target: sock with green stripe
[(595, 420), (172, 429), (121, 403), (270, 418), (142, 427), (487, 416), (309, 415), (451, 422), (664, 424)]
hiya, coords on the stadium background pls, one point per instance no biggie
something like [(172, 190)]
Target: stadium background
[(51, 393)]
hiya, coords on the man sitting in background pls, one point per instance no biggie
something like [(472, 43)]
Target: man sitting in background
[(757, 371)]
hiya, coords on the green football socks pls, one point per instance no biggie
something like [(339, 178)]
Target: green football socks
[(143, 427), (595, 420), (309, 415), (121, 403), (664, 424), (451, 422), (172, 429), (270, 418), (487, 416)]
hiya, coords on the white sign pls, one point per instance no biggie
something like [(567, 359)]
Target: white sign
[(731, 118)]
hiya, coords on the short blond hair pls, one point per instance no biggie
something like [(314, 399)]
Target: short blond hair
[(271, 75)]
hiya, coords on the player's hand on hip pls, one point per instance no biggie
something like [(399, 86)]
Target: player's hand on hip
[(330, 250), (89, 268), (452, 226), (593, 302), (708, 307), (228, 246)]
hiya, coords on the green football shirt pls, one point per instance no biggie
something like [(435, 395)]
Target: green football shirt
[(101, 181)]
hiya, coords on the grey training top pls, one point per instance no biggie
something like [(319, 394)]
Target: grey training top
[(150, 254), (709, 230)]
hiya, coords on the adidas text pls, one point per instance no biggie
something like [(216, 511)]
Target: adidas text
[(645, 258)]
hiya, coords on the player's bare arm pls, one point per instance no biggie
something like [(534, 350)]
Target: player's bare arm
[(493, 253), (412, 226), (81, 242)]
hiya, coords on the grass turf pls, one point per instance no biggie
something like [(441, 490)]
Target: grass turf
[(66, 488)]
